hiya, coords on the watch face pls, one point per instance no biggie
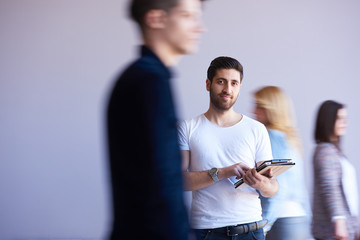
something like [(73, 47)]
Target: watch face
[(213, 171)]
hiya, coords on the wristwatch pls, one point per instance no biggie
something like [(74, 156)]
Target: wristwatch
[(214, 174)]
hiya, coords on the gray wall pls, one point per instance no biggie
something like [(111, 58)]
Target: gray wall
[(58, 60)]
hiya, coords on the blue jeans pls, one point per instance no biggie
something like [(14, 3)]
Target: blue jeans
[(294, 228), (211, 235)]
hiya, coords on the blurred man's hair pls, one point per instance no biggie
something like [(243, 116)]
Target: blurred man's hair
[(138, 8)]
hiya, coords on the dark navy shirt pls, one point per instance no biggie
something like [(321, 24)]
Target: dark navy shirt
[(144, 154)]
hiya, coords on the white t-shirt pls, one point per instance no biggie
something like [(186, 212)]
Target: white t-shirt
[(211, 146), (349, 183)]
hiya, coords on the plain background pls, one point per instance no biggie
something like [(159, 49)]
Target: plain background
[(59, 59)]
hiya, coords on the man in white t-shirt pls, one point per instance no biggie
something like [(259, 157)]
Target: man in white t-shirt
[(217, 147)]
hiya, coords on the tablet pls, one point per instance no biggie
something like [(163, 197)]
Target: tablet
[(278, 166)]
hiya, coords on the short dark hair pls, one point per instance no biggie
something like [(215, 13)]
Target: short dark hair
[(224, 63), (325, 121), (138, 8)]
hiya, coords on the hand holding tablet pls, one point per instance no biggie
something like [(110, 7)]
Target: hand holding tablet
[(278, 166)]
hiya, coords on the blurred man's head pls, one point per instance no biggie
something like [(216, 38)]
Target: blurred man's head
[(175, 24)]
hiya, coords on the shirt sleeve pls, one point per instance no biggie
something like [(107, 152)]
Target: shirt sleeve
[(183, 136), (263, 146)]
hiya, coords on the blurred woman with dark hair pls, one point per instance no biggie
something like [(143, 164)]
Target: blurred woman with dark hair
[(335, 206)]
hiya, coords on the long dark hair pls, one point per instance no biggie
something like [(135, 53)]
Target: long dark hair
[(325, 122)]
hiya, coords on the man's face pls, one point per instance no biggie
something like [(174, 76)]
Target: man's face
[(224, 88), (183, 27)]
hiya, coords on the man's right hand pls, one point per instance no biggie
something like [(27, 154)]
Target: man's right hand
[(238, 170)]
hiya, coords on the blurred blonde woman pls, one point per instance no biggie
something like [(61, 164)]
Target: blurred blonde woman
[(288, 212)]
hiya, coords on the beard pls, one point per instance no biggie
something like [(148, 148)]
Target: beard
[(219, 103)]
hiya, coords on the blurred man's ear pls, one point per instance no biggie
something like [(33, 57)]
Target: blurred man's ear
[(155, 18)]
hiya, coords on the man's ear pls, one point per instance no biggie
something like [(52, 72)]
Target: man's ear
[(155, 18), (208, 84)]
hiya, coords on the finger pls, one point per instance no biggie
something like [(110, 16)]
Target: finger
[(241, 172), (255, 175), (270, 173), (243, 167), (249, 178)]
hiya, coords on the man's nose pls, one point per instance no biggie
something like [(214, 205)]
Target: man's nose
[(227, 88)]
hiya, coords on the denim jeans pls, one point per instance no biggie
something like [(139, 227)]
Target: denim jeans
[(211, 235), (294, 228)]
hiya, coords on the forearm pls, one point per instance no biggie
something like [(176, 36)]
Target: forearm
[(197, 180), (202, 179)]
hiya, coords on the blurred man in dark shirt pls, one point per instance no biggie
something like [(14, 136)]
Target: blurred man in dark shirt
[(145, 160)]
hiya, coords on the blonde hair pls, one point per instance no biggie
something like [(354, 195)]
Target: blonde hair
[(279, 111)]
